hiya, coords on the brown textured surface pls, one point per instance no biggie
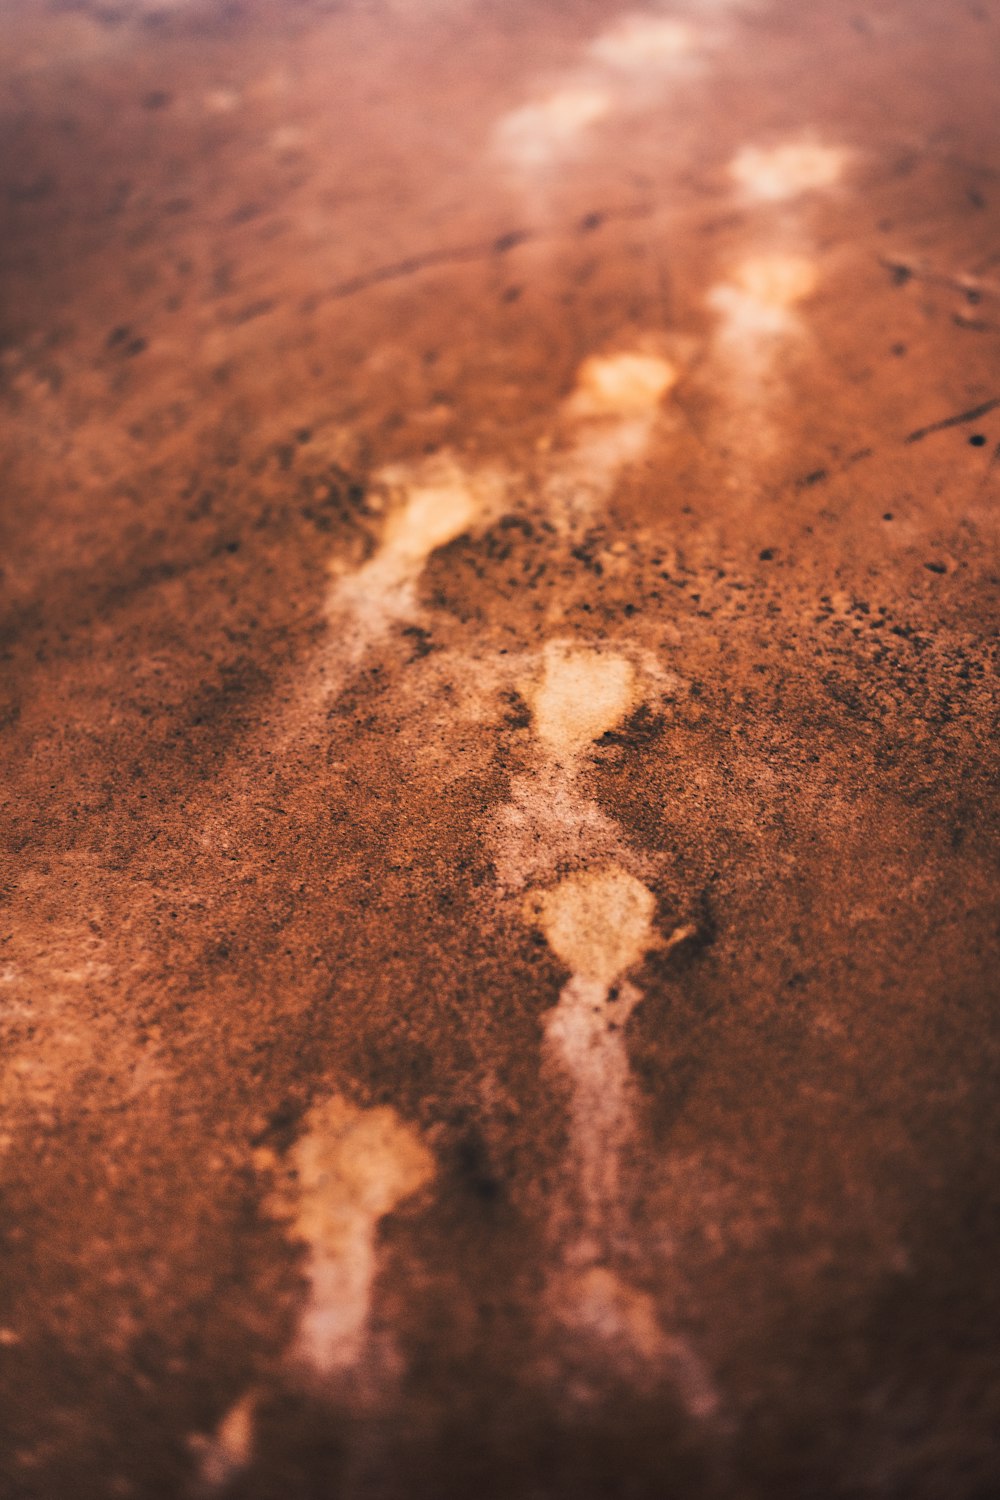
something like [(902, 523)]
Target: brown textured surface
[(253, 254)]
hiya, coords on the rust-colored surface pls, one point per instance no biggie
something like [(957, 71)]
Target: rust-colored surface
[(498, 950)]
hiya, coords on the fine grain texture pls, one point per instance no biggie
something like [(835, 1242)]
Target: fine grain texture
[(498, 617)]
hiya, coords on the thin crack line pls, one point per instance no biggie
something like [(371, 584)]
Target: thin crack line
[(451, 255), (963, 416)]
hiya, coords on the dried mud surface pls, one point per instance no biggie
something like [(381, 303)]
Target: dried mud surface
[(498, 963)]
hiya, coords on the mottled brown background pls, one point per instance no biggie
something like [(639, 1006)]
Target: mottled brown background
[(252, 253)]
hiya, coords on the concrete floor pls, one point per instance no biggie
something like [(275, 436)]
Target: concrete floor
[(499, 569)]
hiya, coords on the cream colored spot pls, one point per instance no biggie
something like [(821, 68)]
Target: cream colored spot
[(613, 406), (547, 823), (352, 1167), (221, 101), (781, 172), (533, 135), (287, 138), (604, 1306), (426, 508), (764, 289), (599, 923), (644, 42), (224, 1455), (623, 1318), (431, 516), (582, 693), (628, 384)]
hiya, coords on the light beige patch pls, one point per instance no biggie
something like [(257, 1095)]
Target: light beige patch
[(597, 1302), (224, 1455), (427, 507), (776, 280), (599, 923), (774, 174), (352, 1167), (585, 477), (547, 824), (607, 1308), (643, 41), (538, 133), (431, 515), (757, 304), (580, 695), (628, 384)]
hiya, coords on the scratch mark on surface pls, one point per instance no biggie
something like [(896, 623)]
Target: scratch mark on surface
[(972, 415)]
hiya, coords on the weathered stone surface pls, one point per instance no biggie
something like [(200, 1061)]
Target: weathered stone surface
[(498, 962)]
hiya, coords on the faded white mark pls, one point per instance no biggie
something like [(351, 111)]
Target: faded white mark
[(546, 824), (579, 695), (224, 1455), (631, 383), (540, 133), (427, 506), (777, 173), (759, 321), (614, 1312), (758, 302), (586, 475), (576, 694), (611, 412), (643, 42), (352, 1167), (623, 1318), (598, 923), (584, 1037), (432, 514), (621, 69)]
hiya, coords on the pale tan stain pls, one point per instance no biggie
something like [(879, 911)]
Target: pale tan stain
[(596, 1301), (621, 70), (351, 1168), (628, 384), (777, 173), (584, 1039), (643, 41), (430, 516), (425, 506), (224, 1455), (580, 694), (599, 922), (759, 322), (609, 1309), (757, 302), (609, 416), (547, 823), (777, 279), (536, 134)]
